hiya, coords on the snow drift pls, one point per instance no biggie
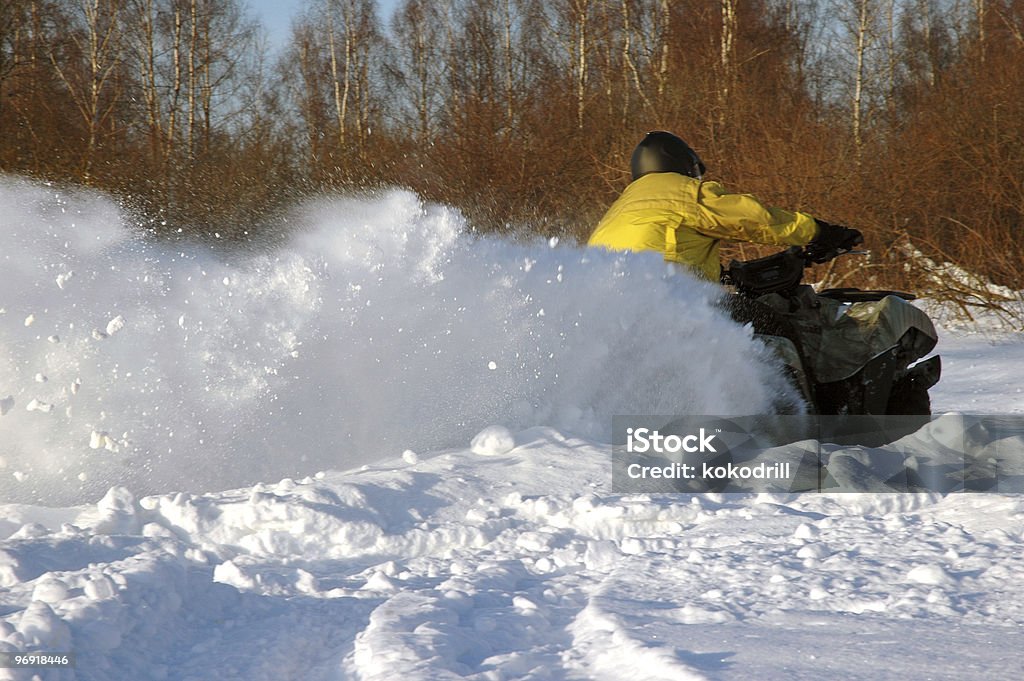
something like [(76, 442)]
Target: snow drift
[(381, 325)]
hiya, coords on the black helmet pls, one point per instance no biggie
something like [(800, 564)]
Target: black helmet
[(663, 152)]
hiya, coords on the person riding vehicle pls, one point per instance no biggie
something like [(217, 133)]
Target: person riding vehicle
[(669, 208), (848, 351)]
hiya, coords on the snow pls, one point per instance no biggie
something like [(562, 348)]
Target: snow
[(386, 505), (981, 372), (523, 566), (381, 326), (493, 441)]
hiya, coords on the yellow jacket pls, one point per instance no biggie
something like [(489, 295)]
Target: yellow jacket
[(685, 219)]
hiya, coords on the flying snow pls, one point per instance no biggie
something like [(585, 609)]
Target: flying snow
[(382, 324)]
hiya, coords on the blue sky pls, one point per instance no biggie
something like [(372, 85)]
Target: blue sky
[(276, 16)]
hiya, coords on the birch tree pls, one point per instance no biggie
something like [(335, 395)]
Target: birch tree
[(861, 62), (570, 26), (87, 67), (417, 64), (338, 44), (726, 59)]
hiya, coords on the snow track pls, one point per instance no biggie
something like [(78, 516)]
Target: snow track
[(516, 566)]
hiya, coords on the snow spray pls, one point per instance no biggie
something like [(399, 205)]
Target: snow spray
[(381, 325)]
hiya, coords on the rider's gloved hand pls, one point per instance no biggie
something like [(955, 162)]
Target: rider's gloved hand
[(832, 240)]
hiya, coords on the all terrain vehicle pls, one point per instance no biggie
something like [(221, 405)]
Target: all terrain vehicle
[(849, 351), (857, 358)]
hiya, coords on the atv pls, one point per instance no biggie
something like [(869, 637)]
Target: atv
[(848, 351), (856, 358)]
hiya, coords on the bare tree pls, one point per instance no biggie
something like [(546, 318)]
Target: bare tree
[(862, 29), (508, 57), (927, 44), (727, 59), (417, 64), (229, 59), (142, 44), (980, 22), (570, 24), (632, 73), (861, 57), (579, 23), (87, 67), (14, 21), (339, 44), (305, 57)]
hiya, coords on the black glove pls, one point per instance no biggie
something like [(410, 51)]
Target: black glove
[(831, 241)]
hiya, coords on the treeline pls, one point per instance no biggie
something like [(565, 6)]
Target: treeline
[(904, 118)]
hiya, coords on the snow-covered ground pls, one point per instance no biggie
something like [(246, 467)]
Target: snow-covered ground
[(137, 383)]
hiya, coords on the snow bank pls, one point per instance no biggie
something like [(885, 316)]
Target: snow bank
[(380, 326)]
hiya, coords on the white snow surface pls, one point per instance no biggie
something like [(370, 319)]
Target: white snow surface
[(448, 511)]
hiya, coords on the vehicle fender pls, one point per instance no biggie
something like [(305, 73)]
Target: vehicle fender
[(851, 334)]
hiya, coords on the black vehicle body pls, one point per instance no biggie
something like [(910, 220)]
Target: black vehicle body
[(849, 351)]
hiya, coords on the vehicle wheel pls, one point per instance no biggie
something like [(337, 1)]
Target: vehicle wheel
[(909, 398)]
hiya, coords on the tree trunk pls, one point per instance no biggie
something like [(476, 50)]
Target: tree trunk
[(727, 61), (863, 17)]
